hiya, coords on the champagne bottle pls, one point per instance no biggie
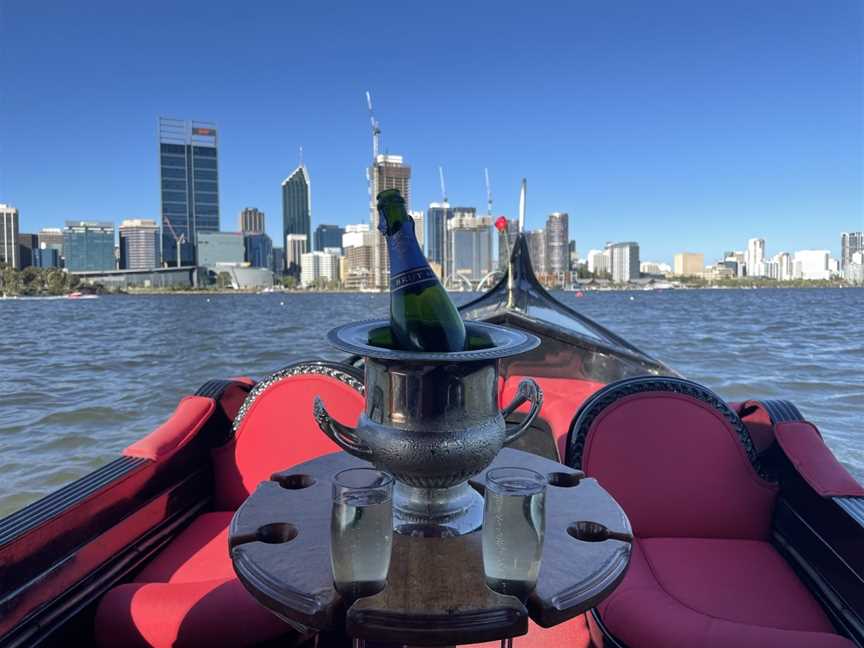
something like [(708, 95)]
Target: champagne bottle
[(422, 317)]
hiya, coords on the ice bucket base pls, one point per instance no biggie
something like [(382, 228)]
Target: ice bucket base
[(436, 512)]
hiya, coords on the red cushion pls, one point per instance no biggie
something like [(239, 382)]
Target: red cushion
[(562, 398), (803, 444), (177, 431), (758, 423), (570, 634), (278, 431), (187, 596), (714, 593), (218, 612), (677, 468)]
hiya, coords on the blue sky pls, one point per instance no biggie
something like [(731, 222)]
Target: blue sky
[(681, 125)]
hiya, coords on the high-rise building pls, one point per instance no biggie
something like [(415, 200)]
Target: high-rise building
[(357, 243), (190, 186), (557, 243), (297, 209), (139, 244), (688, 264), (811, 264), (28, 248), (506, 238), (437, 216), (755, 261), (470, 246), (277, 261), (9, 253), (251, 221), (295, 248), (51, 238), (624, 261), (598, 261), (88, 246), (317, 267), (419, 227), (49, 258), (536, 240), (850, 243), (782, 267), (259, 250), (573, 255), (220, 248), (327, 236), (386, 172)]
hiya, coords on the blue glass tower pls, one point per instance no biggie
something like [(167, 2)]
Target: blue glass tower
[(436, 230), (188, 156), (88, 246), (259, 250)]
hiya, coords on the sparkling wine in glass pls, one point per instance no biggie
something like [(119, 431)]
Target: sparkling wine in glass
[(361, 531), (514, 519)]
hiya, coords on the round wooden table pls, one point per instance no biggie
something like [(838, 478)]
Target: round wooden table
[(436, 594)]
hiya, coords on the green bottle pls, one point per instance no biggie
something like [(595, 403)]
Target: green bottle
[(422, 317)]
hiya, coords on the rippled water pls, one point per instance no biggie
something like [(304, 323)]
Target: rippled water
[(83, 379)]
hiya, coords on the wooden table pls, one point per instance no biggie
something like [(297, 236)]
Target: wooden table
[(436, 592)]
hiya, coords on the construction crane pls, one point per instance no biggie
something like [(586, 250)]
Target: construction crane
[(488, 194), (441, 178), (180, 239), (376, 129)]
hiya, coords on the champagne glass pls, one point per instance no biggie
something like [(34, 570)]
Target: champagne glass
[(514, 520), (361, 531)]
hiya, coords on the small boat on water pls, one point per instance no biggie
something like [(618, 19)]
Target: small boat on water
[(747, 530)]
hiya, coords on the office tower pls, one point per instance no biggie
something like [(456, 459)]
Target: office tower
[(470, 246), (28, 250), (437, 216), (259, 250), (811, 264), (782, 267), (51, 238), (850, 243), (277, 261), (419, 227), (688, 264), (190, 186), (48, 258), (9, 253), (295, 248), (755, 257), (319, 267), (466, 215), (139, 244), (557, 243), (327, 236), (506, 238), (573, 255), (251, 221), (624, 261), (386, 172), (88, 246), (297, 209), (537, 250)]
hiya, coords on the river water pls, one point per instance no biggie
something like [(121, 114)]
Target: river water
[(83, 379)]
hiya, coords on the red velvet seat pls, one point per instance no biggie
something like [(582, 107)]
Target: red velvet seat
[(703, 571), (188, 595)]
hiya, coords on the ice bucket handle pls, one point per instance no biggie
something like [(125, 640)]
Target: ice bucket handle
[(528, 390), (344, 436)]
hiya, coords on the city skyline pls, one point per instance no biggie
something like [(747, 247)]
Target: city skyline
[(732, 144)]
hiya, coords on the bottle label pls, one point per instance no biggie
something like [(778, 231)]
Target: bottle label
[(410, 278)]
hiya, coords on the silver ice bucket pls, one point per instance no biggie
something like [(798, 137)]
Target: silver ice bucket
[(432, 421)]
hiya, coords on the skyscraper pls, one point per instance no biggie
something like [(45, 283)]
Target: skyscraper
[(537, 250), (190, 186), (850, 243), (28, 249), (327, 236), (470, 246), (252, 221), (755, 257), (139, 244), (259, 250), (88, 246), (624, 261), (295, 248), (557, 243), (9, 253), (437, 216), (386, 172), (297, 207)]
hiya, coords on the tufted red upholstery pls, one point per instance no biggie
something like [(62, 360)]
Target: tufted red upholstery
[(702, 572), (189, 595)]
